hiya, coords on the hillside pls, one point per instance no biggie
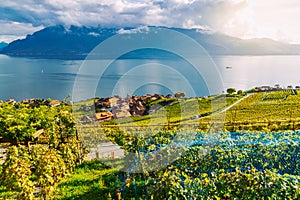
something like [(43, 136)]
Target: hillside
[(262, 111), (168, 163), (76, 42)]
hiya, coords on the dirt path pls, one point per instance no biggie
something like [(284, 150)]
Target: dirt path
[(227, 108)]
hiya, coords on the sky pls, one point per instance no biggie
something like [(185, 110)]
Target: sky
[(275, 19)]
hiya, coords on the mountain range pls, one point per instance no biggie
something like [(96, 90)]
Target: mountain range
[(76, 42)]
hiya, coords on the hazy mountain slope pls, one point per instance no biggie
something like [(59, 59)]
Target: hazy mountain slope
[(76, 42)]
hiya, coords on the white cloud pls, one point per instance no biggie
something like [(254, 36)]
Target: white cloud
[(94, 34), (241, 18), (141, 29), (13, 30), (117, 12)]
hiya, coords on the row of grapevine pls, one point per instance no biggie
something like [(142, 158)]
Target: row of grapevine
[(43, 146), (278, 95), (254, 108), (243, 165)]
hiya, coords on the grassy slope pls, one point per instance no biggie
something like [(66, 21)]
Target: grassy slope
[(87, 182)]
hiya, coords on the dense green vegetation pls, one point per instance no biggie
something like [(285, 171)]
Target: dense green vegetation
[(255, 154), (236, 166), (42, 147)]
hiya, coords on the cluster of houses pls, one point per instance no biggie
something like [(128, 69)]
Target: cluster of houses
[(118, 107), (35, 102)]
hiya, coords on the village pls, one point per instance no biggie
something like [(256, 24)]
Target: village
[(117, 107), (37, 102)]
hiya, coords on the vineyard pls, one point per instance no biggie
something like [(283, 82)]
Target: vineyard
[(278, 95), (269, 111), (253, 153), (267, 107), (42, 146), (237, 165)]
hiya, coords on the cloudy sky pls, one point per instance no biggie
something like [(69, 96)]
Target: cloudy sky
[(276, 19)]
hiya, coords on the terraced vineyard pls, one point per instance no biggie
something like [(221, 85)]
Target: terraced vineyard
[(255, 154), (267, 107), (266, 111), (278, 95)]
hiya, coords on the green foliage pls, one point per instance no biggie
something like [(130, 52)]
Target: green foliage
[(45, 147), (48, 168), (254, 165), (250, 184), (231, 90), (239, 92), (16, 173), (243, 165), (15, 123), (237, 166)]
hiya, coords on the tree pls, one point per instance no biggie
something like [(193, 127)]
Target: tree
[(240, 92), (180, 94), (277, 86), (231, 90)]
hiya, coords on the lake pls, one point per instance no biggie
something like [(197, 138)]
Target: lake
[(25, 78)]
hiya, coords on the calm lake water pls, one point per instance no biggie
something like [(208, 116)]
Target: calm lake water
[(22, 78)]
